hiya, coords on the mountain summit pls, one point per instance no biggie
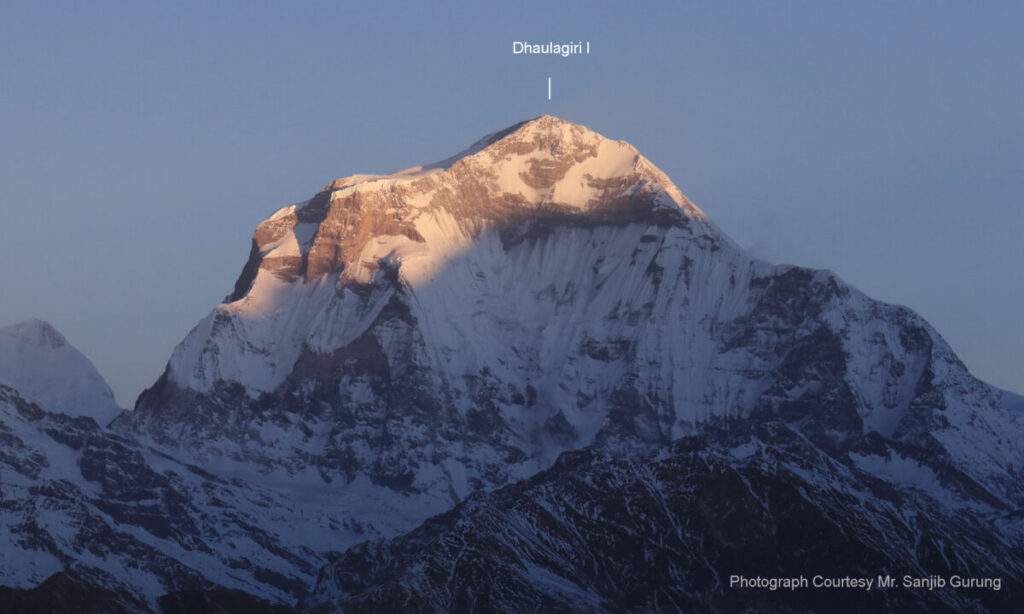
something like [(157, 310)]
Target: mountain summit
[(520, 180), (37, 361)]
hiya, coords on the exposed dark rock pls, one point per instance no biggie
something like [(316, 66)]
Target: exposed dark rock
[(665, 533), (64, 593), (219, 601)]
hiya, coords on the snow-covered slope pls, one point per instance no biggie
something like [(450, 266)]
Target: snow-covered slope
[(37, 361)]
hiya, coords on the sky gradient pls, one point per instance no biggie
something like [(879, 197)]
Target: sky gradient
[(144, 142)]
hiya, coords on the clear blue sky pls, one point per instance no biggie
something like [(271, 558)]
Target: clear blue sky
[(142, 142)]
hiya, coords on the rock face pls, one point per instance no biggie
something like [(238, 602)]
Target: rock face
[(400, 345), (62, 593), (39, 362)]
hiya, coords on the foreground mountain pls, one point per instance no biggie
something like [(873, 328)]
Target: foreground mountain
[(604, 533), (110, 514), (39, 362), (398, 346)]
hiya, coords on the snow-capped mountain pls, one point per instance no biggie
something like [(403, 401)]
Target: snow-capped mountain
[(459, 325), (404, 340), (38, 361), (433, 341)]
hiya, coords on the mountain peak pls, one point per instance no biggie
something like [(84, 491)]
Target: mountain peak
[(526, 160), (541, 173), (551, 134), (548, 124), (36, 331), (38, 362)]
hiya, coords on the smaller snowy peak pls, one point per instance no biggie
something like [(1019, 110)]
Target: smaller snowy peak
[(38, 362), (36, 332)]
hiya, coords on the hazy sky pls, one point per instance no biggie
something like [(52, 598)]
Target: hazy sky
[(142, 142)]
